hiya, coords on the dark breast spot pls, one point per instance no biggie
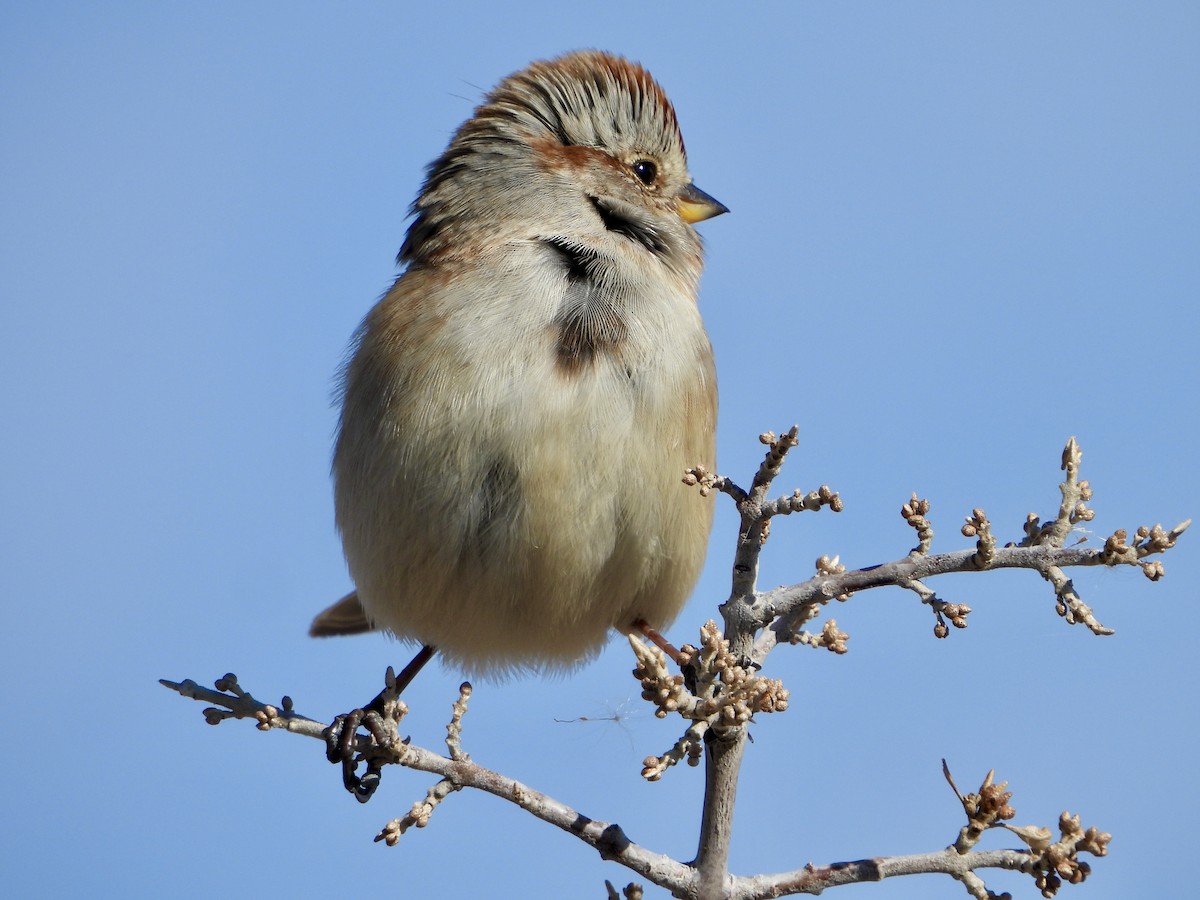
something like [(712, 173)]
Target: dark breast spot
[(590, 320)]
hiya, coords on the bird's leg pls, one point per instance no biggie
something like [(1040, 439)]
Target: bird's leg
[(341, 735), (658, 640), (404, 679), (687, 668)]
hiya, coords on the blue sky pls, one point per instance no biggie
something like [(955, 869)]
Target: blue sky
[(960, 234)]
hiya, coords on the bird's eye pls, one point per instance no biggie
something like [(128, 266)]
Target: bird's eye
[(646, 171)]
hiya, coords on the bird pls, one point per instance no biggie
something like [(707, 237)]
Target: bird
[(519, 408)]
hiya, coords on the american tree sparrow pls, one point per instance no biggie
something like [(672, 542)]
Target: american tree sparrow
[(520, 407)]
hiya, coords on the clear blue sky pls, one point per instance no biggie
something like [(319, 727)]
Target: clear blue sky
[(960, 234)]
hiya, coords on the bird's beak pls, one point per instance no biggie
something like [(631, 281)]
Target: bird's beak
[(693, 205)]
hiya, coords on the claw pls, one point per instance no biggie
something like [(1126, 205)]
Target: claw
[(341, 736)]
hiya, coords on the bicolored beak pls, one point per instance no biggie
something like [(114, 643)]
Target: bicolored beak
[(693, 205)]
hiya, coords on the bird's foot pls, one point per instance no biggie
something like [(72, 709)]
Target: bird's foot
[(378, 718)]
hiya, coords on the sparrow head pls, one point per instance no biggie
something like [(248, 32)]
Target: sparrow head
[(585, 143)]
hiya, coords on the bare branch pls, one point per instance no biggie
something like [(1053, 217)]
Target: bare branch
[(718, 689), (609, 840), (778, 616), (421, 811), (1048, 862), (792, 605), (812, 879)]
